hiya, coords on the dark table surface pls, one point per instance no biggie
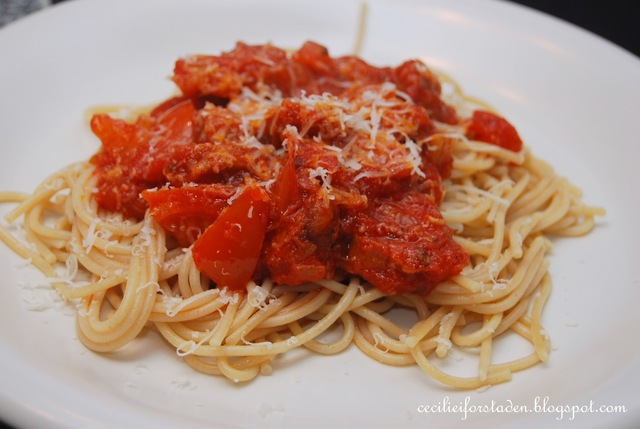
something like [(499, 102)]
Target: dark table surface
[(614, 20)]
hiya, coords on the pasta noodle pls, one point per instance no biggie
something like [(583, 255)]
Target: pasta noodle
[(125, 276)]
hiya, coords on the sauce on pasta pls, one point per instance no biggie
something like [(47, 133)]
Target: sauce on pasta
[(284, 195), (350, 181)]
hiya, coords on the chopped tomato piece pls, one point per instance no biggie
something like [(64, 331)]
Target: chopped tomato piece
[(186, 212), (491, 128), (229, 249), (316, 58), (423, 86), (285, 190), (176, 116)]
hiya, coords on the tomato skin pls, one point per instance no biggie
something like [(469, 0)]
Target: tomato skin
[(187, 212), (176, 115), (229, 250), (491, 128), (285, 191)]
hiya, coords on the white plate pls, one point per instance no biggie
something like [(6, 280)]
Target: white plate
[(574, 97)]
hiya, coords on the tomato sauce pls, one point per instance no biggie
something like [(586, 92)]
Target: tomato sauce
[(298, 167)]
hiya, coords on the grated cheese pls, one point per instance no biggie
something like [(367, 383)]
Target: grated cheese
[(233, 197), (89, 240), (323, 174), (444, 343), (267, 344), (473, 190), (258, 297), (227, 297), (149, 284), (68, 274), (415, 159)]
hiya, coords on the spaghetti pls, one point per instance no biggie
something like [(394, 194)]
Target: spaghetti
[(128, 264)]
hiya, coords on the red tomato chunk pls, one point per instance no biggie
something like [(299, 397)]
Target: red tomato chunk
[(491, 128), (229, 249)]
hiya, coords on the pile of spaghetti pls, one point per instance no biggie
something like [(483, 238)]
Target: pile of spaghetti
[(292, 199)]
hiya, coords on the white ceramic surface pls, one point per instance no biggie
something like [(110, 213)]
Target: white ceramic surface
[(574, 97)]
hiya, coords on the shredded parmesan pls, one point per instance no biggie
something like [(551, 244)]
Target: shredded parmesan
[(323, 174), (415, 158), (474, 190), (89, 240), (267, 344), (227, 297), (68, 274), (258, 297), (233, 197)]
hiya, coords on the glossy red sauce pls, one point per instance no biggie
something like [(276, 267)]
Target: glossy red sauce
[(331, 172)]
